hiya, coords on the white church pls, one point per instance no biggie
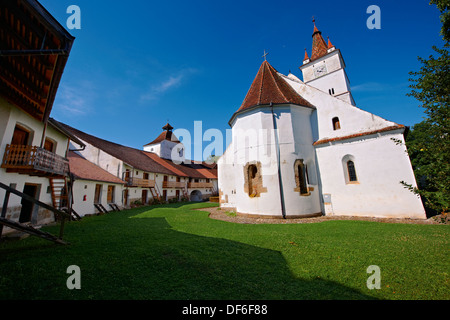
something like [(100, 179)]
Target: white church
[(303, 148)]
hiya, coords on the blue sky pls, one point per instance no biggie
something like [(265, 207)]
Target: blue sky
[(137, 64)]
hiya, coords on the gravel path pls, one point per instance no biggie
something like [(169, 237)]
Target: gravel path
[(220, 214)]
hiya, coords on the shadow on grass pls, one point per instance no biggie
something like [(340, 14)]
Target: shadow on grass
[(145, 258)]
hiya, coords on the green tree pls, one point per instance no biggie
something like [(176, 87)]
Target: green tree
[(428, 143)]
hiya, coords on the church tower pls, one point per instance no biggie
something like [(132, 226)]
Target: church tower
[(167, 146), (325, 70)]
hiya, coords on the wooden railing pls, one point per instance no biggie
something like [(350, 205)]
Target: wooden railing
[(28, 229), (200, 185), (173, 184), (26, 159), (137, 182)]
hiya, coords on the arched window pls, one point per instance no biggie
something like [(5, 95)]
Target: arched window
[(253, 180), (336, 123), (351, 171), (301, 177), (252, 173)]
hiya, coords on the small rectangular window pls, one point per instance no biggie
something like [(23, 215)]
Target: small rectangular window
[(336, 123)]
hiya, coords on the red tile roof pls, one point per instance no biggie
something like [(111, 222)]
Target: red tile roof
[(361, 134), (192, 170), (269, 87), (167, 134), (86, 170), (169, 165), (133, 157), (306, 55), (319, 48), (330, 45), (145, 161)]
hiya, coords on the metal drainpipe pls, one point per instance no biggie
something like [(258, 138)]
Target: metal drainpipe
[(280, 182)]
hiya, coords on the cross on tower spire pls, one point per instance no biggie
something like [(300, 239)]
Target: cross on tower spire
[(265, 55)]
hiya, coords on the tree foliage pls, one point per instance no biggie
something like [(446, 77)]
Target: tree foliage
[(428, 143)]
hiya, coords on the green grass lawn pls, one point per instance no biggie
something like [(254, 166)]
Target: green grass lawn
[(173, 252)]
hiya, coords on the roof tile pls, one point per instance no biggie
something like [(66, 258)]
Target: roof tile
[(269, 87), (86, 170)]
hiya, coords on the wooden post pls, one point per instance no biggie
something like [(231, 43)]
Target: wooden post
[(61, 230), (5, 207), (60, 213), (43, 134)]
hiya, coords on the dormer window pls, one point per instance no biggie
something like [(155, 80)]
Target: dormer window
[(336, 123)]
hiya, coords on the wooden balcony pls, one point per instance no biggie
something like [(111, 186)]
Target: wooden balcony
[(34, 161), (194, 185), (174, 184), (137, 182)]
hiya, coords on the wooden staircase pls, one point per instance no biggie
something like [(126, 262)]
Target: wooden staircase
[(155, 193), (114, 207), (31, 230), (60, 194), (100, 208), (185, 193)]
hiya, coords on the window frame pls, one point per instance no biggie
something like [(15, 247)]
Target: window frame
[(301, 178), (336, 123), (351, 171), (350, 176)]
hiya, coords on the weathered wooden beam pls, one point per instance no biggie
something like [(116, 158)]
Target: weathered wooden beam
[(18, 39), (4, 209), (21, 101), (35, 201), (13, 76), (39, 52), (30, 230)]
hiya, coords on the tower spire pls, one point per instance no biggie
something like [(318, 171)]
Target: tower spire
[(320, 47), (306, 55), (315, 28), (330, 45)]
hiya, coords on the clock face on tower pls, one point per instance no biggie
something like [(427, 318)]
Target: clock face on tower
[(320, 70)]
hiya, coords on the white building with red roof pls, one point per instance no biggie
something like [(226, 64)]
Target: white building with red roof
[(108, 174), (303, 148)]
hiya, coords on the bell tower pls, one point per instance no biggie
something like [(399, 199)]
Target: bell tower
[(325, 70)]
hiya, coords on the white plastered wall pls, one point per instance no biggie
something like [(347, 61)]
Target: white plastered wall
[(254, 140), (380, 166), (84, 193), (10, 116)]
